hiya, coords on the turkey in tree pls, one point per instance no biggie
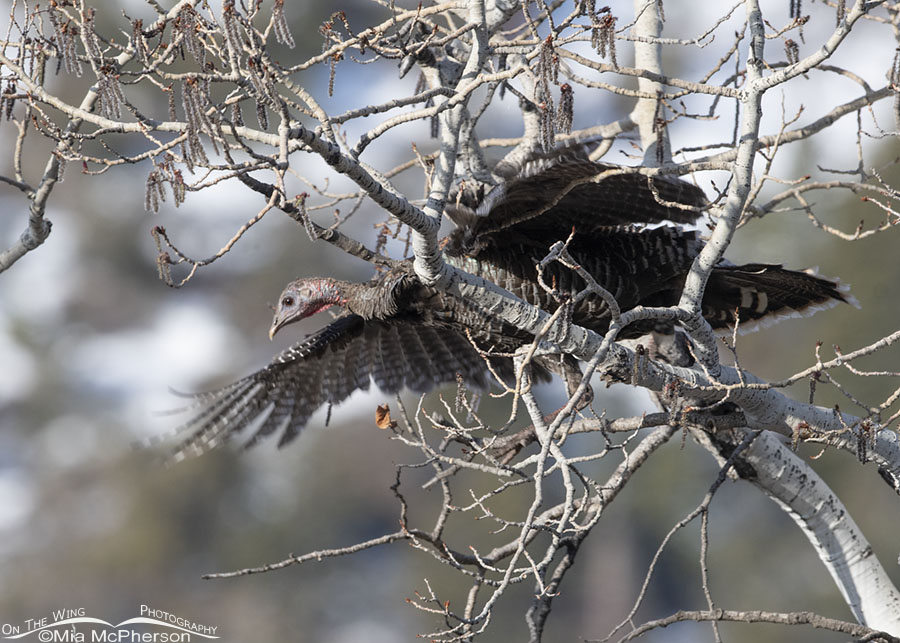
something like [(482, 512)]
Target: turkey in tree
[(402, 334)]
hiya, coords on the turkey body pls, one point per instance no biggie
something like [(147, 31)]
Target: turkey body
[(400, 334)]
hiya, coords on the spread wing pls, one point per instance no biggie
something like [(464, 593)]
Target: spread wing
[(326, 368), (573, 192)]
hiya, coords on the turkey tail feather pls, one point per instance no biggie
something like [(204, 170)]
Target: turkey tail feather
[(758, 290)]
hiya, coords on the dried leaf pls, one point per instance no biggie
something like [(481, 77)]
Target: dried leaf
[(383, 417)]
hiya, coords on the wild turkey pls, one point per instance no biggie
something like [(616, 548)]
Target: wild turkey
[(402, 334)]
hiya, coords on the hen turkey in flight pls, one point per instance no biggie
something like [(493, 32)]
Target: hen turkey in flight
[(400, 334)]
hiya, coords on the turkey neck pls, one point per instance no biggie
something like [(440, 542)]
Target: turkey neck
[(381, 298)]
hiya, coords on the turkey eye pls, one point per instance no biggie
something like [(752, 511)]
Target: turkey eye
[(287, 302)]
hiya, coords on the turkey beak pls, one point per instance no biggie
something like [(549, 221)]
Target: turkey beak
[(276, 324)]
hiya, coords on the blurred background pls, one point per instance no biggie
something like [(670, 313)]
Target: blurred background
[(91, 341)]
